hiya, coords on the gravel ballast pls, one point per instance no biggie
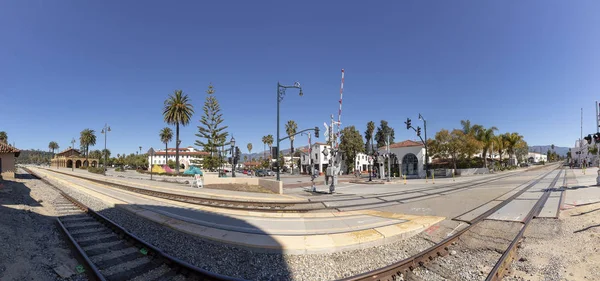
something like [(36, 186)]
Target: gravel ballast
[(243, 263)]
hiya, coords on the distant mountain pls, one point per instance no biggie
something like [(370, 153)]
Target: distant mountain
[(257, 155), (558, 149)]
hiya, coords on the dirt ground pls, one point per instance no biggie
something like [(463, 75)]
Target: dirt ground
[(563, 249), (239, 187), (31, 245)]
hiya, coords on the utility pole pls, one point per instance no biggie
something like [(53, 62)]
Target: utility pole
[(389, 159), (581, 139)]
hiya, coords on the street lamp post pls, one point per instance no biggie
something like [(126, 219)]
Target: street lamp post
[(280, 94), (151, 152), (72, 146), (232, 142), (105, 131), (425, 143), (389, 159)]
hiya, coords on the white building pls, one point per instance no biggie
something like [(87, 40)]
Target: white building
[(585, 156), (410, 158), (536, 157), (187, 155), (361, 162)]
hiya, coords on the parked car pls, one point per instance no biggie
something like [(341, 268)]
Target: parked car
[(245, 172), (270, 173), (260, 173)]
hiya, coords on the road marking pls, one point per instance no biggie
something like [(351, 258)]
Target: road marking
[(453, 230)]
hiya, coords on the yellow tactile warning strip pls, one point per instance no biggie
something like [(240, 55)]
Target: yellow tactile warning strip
[(291, 244), (200, 193)]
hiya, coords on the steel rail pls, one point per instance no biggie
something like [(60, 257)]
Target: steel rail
[(440, 249), (175, 264)]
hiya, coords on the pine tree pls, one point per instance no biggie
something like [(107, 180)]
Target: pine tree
[(211, 131)]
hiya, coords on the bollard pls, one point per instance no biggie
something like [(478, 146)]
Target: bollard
[(426, 180), (433, 178), (453, 175), (404, 179)]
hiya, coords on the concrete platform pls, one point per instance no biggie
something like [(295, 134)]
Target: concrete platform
[(292, 233), (582, 189)]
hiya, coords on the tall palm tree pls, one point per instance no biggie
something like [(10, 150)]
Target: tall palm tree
[(264, 141), (53, 146), (87, 137), (140, 150), (105, 155), (290, 129), (512, 140), (369, 133), (249, 146), (486, 137), (3, 137), (500, 145), (166, 135), (469, 129), (245, 158), (269, 141), (177, 111)]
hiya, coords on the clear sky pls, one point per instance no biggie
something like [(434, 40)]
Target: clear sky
[(523, 66)]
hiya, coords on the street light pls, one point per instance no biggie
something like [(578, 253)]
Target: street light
[(232, 142), (280, 94), (72, 146), (105, 131), (426, 154)]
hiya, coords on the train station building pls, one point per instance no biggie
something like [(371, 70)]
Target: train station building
[(7, 161), (72, 158)]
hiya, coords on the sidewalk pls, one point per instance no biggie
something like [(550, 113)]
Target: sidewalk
[(183, 189), (581, 188)]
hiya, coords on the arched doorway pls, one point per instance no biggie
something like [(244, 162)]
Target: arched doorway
[(410, 165), (77, 163), (69, 163), (94, 164), (85, 163)]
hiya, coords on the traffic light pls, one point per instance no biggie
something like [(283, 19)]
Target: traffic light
[(419, 131), (316, 132), (408, 125), (597, 137), (588, 139), (237, 153)]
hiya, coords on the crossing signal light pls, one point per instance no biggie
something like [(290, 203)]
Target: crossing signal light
[(588, 139), (316, 132), (408, 125), (597, 137), (419, 131)]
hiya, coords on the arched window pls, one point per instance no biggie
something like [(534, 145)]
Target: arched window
[(410, 165)]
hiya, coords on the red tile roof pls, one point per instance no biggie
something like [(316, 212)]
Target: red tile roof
[(6, 148), (196, 153), (67, 150), (406, 143)]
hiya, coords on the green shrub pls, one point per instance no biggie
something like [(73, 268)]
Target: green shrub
[(119, 169), (95, 170)]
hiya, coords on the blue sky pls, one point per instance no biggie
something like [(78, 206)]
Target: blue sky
[(524, 66)]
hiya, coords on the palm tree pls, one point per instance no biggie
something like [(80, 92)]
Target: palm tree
[(264, 141), (105, 155), (53, 146), (249, 146), (369, 137), (290, 129), (245, 158), (87, 137), (140, 150), (3, 137), (486, 137), (269, 141), (512, 140), (500, 145), (166, 135), (469, 129), (178, 111)]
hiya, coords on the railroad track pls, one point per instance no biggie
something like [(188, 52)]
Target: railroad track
[(406, 266), (292, 207), (112, 253)]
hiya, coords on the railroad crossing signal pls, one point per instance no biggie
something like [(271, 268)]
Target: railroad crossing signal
[(597, 137), (588, 139)]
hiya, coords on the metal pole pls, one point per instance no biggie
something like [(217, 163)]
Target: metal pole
[(151, 156), (277, 154), (426, 149), (104, 167), (581, 139), (597, 131), (389, 159), (72, 147)]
